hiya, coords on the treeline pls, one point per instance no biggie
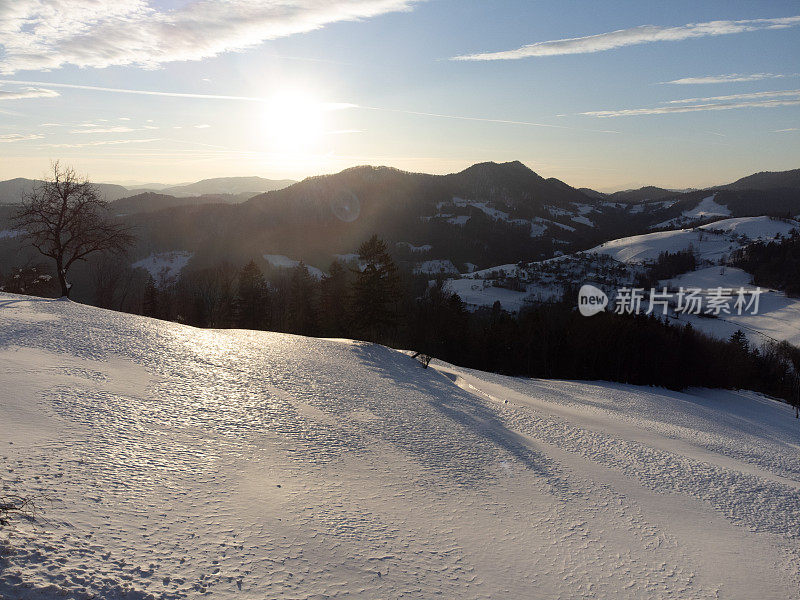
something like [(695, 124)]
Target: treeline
[(553, 340), (667, 266), (773, 264), (364, 303), (376, 302), (550, 340)]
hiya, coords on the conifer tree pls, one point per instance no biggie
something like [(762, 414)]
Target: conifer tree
[(302, 304), (150, 303), (252, 298), (376, 293), (334, 301)]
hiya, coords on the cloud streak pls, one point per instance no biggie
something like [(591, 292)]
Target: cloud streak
[(95, 88), (322, 106), (19, 137), (28, 93), (480, 119), (41, 35), (732, 78), (103, 143), (644, 34), (730, 102)]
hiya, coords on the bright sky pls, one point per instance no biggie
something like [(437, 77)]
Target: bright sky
[(608, 95)]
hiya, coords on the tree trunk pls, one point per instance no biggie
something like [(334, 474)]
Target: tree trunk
[(62, 279)]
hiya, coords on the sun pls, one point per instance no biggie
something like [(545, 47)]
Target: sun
[(293, 122)]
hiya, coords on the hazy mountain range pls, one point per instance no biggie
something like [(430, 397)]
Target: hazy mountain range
[(486, 215), (239, 188)]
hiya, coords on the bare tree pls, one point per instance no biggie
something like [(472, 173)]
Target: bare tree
[(64, 216)]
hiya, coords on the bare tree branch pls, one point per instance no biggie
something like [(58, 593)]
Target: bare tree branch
[(66, 219)]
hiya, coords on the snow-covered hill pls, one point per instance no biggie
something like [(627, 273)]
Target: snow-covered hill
[(711, 242), (617, 263), (172, 462)]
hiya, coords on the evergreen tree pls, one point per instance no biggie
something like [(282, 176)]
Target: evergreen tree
[(376, 293), (302, 305), (150, 303), (252, 298), (334, 302), (739, 339)]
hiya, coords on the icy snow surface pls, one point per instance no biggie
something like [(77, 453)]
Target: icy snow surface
[(173, 462)]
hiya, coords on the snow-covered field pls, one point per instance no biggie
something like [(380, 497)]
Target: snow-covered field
[(778, 316), (164, 267), (707, 208), (173, 462), (712, 242)]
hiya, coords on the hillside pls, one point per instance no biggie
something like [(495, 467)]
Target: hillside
[(767, 180), (152, 201), (645, 194), (622, 262), (486, 215), (172, 462)]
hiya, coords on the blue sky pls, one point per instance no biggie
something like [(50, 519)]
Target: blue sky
[(709, 93)]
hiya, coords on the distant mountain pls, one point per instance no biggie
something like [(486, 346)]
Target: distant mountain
[(486, 214), (592, 193), (12, 190), (153, 201), (138, 185), (766, 180), (228, 185), (648, 193)]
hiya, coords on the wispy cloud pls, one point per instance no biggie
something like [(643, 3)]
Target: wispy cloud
[(481, 119), (104, 130), (643, 34), (19, 137), (732, 78), (730, 102), (95, 88), (787, 130), (102, 143), (39, 35), (735, 97), (326, 106), (27, 93)]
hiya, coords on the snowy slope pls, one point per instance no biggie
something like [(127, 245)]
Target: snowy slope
[(647, 247), (778, 316), (164, 267), (707, 208), (711, 242), (181, 462), (754, 228)]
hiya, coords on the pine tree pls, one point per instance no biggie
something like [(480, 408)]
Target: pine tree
[(334, 301), (302, 306), (739, 339), (150, 303), (376, 292), (252, 298)]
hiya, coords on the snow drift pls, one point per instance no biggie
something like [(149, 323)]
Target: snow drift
[(172, 462)]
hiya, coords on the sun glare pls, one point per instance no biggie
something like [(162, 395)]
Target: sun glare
[(293, 122)]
